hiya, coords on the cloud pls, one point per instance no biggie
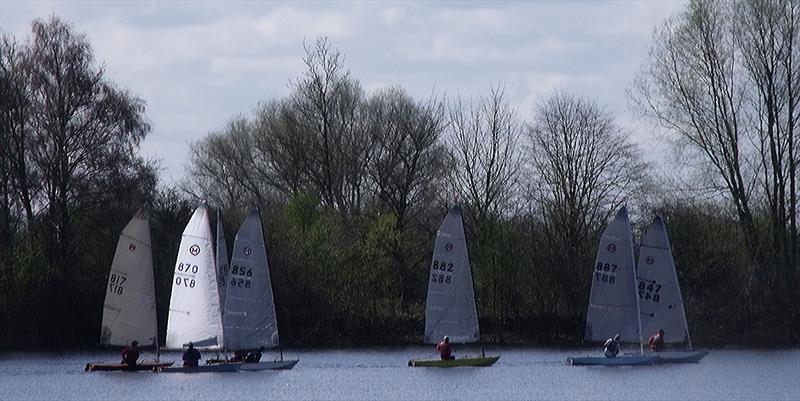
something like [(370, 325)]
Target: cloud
[(197, 64)]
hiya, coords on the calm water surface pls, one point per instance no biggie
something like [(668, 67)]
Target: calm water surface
[(381, 373)]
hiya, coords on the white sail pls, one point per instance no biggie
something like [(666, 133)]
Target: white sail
[(658, 288), (450, 309), (613, 302), (222, 262), (249, 319), (194, 311), (129, 311)]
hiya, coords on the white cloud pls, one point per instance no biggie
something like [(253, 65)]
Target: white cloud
[(199, 63)]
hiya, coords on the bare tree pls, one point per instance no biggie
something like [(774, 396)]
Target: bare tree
[(723, 76), (767, 35), (585, 168), (484, 139), (15, 116), (218, 170), (407, 160), (326, 100), (585, 162)]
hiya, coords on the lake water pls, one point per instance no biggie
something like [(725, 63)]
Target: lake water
[(382, 373)]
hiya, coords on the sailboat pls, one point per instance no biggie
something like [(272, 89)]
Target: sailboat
[(660, 296), (450, 308), (613, 302), (194, 310), (250, 320), (129, 310)]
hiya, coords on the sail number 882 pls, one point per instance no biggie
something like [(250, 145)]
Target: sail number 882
[(442, 277)]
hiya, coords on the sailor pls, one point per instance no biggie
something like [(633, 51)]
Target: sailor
[(191, 356), (130, 354), (238, 356), (254, 355), (656, 341), (612, 346), (444, 349)]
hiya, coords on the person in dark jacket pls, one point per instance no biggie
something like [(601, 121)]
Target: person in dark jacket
[(612, 347), (191, 356)]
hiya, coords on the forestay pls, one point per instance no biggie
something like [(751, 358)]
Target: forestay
[(129, 311), (450, 309), (658, 288), (249, 319), (194, 310), (222, 262), (613, 304)]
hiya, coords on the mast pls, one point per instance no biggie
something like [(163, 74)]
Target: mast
[(638, 312)]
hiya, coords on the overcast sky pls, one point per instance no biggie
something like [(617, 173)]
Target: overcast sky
[(198, 63)]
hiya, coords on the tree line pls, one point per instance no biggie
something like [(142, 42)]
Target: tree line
[(353, 185)]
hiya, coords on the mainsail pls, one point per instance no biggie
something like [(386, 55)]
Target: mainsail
[(450, 309), (129, 311), (249, 318), (222, 262), (613, 303), (659, 291), (194, 311)]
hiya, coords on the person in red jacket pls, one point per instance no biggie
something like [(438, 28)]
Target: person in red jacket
[(656, 341), (130, 354), (444, 349)]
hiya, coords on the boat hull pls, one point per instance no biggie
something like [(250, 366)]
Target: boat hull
[(272, 365), (452, 363), (217, 367), (679, 356), (624, 360), (113, 367)]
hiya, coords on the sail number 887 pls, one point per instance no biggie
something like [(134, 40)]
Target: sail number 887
[(606, 272)]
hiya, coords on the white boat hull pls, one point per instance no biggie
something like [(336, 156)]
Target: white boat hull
[(623, 360), (272, 365), (679, 356), (217, 367)]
